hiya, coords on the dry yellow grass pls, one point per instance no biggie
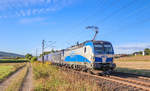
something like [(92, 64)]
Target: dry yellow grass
[(134, 64), (16, 83), (134, 58), (50, 78)]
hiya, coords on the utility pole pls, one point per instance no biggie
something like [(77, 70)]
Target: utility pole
[(36, 52), (43, 46)]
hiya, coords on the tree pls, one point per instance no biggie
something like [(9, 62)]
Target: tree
[(28, 56), (52, 51), (147, 51)]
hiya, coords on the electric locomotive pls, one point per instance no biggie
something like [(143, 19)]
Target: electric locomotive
[(89, 55)]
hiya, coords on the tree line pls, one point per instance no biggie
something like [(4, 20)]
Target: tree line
[(30, 57), (33, 58), (146, 52)]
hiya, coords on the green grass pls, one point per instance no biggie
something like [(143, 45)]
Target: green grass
[(6, 69), (50, 78)]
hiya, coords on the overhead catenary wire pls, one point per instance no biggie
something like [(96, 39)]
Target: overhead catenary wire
[(49, 44), (116, 12), (138, 16), (99, 6), (84, 21), (44, 46), (137, 10)]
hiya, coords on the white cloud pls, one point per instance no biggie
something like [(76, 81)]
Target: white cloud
[(31, 20), (28, 12), (22, 13), (130, 48), (31, 7)]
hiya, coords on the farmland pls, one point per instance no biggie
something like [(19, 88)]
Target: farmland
[(47, 77), (136, 65), (12, 75), (134, 59), (12, 60), (7, 69)]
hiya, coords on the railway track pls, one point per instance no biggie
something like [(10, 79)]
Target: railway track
[(125, 81), (139, 85), (132, 76), (134, 83), (145, 78)]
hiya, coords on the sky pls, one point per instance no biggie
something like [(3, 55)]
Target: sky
[(25, 23)]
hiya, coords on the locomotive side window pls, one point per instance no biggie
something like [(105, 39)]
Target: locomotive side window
[(63, 52), (85, 50)]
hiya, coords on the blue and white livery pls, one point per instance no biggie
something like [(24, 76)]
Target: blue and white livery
[(87, 55)]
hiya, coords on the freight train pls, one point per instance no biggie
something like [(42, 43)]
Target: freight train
[(89, 55)]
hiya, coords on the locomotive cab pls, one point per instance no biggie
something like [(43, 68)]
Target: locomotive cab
[(103, 56)]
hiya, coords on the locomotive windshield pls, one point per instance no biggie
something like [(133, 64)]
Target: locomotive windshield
[(103, 48), (98, 49), (108, 49)]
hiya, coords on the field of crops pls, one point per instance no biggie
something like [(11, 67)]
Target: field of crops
[(134, 58), (7, 69), (134, 64), (12, 60)]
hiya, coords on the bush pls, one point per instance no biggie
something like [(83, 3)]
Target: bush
[(33, 59)]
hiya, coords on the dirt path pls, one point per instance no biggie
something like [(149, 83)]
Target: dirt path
[(7, 82), (27, 84)]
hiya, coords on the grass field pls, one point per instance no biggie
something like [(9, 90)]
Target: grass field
[(134, 58), (12, 60), (7, 69), (134, 64), (50, 78)]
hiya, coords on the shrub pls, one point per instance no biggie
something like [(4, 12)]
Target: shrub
[(33, 59)]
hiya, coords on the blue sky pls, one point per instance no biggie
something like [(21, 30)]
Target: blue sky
[(25, 23)]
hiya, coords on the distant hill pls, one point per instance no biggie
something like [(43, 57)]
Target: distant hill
[(9, 55)]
